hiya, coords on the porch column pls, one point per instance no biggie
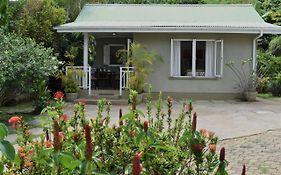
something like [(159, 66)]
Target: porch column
[(85, 59)]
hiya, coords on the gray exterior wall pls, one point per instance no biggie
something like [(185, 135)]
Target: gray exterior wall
[(236, 47)]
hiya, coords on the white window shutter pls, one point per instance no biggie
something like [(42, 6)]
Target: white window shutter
[(175, 66), (106, 55), (218, 66), (209, 58)]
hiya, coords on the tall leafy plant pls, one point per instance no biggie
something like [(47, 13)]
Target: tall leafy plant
[(142, 60)]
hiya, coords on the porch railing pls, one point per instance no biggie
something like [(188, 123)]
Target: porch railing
[(83, 80), (125, 75)]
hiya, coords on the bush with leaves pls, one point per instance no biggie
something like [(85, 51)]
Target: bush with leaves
[(139, 143), (24, 64)]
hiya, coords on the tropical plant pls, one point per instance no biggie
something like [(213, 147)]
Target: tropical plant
[(3, 11), (77, 145), (23, 64), (247, 80), (142, 60), (274, 46), (42, 96)]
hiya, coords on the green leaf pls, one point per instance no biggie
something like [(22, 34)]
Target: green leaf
[(84, 167), (3, 131), (17, 160), (7, 149), (129, 116), (1, 168), (140, 137), (68, 161)]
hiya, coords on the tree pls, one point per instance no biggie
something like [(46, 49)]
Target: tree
[(37, 20), (3, 11), (23, 65)]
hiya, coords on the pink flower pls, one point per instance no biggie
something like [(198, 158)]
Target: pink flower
[(20, 149), (64, 118), (212, 147), (48, 144), (203, 132), (14, 121), (58, 95)]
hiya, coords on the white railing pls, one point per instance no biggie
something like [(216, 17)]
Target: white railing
[(83, 80), (125, 75)]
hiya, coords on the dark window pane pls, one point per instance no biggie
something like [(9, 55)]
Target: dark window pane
[(200, 58), (113, 57), (186, 58)]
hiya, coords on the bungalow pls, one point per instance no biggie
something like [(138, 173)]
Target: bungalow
[(195, 42)]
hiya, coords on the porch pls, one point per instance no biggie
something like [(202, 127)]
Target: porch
[(106, 71)]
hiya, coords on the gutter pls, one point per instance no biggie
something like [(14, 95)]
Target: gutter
[(255, 50)]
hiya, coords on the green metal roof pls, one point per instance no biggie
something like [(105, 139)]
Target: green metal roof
[(223, 18)]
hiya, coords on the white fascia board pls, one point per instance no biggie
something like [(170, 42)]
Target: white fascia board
[(168, 30)]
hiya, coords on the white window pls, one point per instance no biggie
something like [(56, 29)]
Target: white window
[(110, 51), (196, 58)]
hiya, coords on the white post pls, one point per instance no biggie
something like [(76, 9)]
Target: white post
[(85, 59)]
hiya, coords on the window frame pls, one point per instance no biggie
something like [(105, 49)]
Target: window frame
[(194, 58), (110, 45)]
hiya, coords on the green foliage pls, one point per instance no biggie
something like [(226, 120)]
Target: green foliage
[(269, 64), (37, 20), (42, 96), (187, 151), (142, 60), (275, 46), (275, 85), (6, 147), (3, 11), (23, 64)]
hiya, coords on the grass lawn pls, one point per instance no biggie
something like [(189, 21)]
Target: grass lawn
[(23, 109), (266, 95)]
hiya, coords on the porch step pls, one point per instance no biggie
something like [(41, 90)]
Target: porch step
[(94, 101)]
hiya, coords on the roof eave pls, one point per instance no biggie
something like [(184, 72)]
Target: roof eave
[(68, 29)]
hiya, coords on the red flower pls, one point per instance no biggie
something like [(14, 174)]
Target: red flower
[(244, 170), (137, 167), (212, 147), (56, 130), (145, 126), (14, 121), (64, 118), (75, 137), (222, 154), (194, 122), (48, 144), (58, 95), (20, 149), (120, 117), (22, 155), (197, 148), (28, 163), (203, 132), (89, 145)]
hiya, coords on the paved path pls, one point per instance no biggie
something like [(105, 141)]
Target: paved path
[(261, 153)]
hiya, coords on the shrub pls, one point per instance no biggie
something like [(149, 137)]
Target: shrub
[(82, 146), (23, 64), (262, 85), (275, 85), (275, 46)]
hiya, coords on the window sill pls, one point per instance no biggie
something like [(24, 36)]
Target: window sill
[(193, 78)]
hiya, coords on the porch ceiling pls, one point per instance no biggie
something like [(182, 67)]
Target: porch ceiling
[(112, 35)]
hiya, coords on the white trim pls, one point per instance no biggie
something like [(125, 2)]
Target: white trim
[(172, 55), (197, 29), (85, 59), (255, 50), (194, 57), (194, 41)]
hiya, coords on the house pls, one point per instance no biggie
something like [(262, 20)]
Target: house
[(195, 42)]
